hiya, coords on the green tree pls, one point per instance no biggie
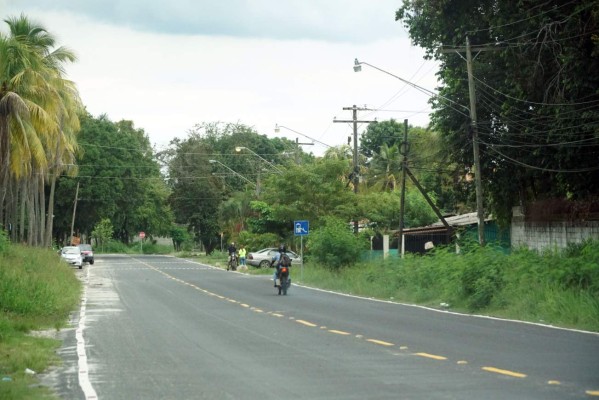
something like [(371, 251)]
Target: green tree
[(103, 232), (38, 117), (536, 102), (120, 181)]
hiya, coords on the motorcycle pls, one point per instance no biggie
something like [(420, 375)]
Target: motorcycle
[(283, 281), (233, 262)]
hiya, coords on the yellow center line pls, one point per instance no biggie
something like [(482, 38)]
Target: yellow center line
[(339, 332), (592, 392), (504, 372), (554, 383), (380, 342), (427, 355), (301, 321)]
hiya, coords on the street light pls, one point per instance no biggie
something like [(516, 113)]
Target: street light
[(236, 173), (278, 129), (297, 142), (239, 148)]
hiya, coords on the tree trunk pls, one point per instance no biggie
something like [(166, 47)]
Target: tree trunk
[(50, 217)]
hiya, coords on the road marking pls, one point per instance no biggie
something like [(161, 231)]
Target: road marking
[(380, 342), (84, 382), (592, 392), (504, 372), (462, 362), (554, 383), (301, 321), (427, 355), (339, 332)]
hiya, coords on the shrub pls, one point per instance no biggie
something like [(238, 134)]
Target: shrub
[(334, 245), (4, 241)]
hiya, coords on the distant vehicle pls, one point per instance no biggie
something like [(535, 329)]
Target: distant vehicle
[(72, 255), (87, 252), (262, 258)]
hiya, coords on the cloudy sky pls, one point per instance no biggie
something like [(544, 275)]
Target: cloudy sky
[(168, 65)]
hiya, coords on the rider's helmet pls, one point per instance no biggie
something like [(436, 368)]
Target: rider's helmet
[(282, 248)]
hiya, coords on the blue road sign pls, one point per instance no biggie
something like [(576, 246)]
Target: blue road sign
[(301, 228)]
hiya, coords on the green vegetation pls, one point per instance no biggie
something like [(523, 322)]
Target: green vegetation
[(37, 292)]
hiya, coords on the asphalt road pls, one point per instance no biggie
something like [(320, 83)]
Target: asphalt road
[(155, 327)]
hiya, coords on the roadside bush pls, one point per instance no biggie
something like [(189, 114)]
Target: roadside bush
[(4, 241), (257, 241), (334, 245)]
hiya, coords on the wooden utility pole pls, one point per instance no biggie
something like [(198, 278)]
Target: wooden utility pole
[(74, 211), (473, 124), (404, 165), (355, 175)]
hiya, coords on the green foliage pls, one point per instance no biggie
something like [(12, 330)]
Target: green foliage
[(334, 244), (103, 232), (37, 291), (536, 125), (257, 241), (124, 184), (4, 241), (181, 238)]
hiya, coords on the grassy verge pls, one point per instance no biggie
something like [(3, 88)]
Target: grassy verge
[(37, 292), (553, 288)]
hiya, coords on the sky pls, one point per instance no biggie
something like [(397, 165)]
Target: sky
[(168, 66)]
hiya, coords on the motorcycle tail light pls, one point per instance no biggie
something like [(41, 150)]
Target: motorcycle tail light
[(283, 270)]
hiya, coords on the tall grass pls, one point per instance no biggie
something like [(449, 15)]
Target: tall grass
[(37, 291), (553, 287)]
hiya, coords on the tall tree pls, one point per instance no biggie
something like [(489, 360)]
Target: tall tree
[(36, 102), (536, 101)]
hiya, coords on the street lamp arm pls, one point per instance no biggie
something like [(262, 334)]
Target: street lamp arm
[(234, 172), (357, 68), (239, 148), (277, 126)]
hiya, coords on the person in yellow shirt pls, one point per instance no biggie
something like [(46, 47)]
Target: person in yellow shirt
[(242, 253)]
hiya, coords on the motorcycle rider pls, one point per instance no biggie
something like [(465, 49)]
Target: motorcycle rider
[(276, 262), (232, 250)]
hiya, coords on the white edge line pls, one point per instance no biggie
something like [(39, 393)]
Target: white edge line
[(83, 372), (429, 308)]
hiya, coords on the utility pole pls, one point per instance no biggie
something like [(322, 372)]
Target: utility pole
[(473, 124), (355, 174), (404, 165), (74, 211)]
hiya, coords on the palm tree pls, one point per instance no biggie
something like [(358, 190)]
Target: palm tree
[(385, 168), (38, 107)]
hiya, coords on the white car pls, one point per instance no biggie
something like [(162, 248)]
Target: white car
[(262, 258), (72, 255)]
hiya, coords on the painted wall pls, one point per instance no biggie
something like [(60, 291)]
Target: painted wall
[(549, 235)]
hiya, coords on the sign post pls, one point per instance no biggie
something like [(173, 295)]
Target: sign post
[(301, 229), (142, 235)]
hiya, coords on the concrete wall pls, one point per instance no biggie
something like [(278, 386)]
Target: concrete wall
[(551, 234)]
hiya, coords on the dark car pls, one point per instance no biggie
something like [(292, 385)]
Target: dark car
[(87, 253)]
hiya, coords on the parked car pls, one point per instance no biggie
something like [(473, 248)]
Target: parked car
[(87, 252), (72, 255), (262, 258)]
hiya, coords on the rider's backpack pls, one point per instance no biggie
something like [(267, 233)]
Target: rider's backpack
[(285, 260)]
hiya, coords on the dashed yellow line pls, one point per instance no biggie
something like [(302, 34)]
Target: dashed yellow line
[(504, 372), (427, 355), (554, 383), (339, 332), (592, 392), (380, 342), (301, 321)]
